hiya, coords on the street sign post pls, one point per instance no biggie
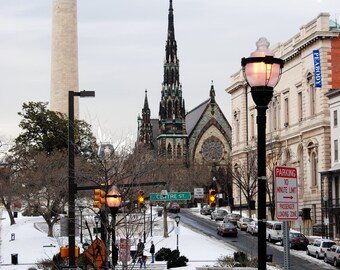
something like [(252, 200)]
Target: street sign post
[(286, 193), (199, 193), (171, 196), (72, 268)]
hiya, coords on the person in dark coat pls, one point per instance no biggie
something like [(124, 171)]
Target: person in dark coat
[(152, 252), (140, 248)]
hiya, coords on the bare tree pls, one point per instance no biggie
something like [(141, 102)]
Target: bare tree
[(245, 176), (274, 158), (44, 185), (7, 188)]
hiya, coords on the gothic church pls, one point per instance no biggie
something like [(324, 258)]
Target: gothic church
[(200, 136)]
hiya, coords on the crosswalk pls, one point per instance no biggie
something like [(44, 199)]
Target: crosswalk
[(149, 266)]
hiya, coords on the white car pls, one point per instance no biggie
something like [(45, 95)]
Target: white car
[(274, 231), (252, 227), (318, 247), (332, 255), (243, 223)]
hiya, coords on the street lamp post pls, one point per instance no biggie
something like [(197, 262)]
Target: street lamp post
[(262, 72), (113, 201), (72, 187), (177, 219), (81, 208), (96, 220), (326, 219)]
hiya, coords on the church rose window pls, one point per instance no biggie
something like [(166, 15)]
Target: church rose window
[(212, 149)]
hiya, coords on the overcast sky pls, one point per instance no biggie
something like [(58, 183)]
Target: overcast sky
[(122, 48)]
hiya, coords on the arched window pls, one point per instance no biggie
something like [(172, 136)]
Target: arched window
[(176, 112), (274, 114), (314, 168), (169, 109), (313, 162), (237, 126), (169, 151), (179, 151), (312, 96)]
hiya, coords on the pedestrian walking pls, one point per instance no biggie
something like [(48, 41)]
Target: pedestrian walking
[(142, 261), (152, 252), (140, 248)]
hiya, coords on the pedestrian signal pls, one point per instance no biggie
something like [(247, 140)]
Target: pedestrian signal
[(212, 198), (99, 198)]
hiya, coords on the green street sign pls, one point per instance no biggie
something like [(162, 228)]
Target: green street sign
[(171, 196)]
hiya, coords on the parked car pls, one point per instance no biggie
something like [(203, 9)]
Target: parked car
[(233, 218), (228, 228), (252, 227), (318, 247), (218, 214), (206, 210), (332, 255), (274, 231), (297, 240), (243, 223), (174, 207)]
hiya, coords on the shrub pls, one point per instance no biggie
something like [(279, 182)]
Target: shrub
[(172, 257), (30, 211), (240, 259), (163, 254), (177, 262)]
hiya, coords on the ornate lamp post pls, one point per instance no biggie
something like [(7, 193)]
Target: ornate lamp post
[(113, 201), (177, 219), (262, 72)]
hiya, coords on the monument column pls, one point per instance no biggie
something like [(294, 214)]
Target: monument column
[(64, 64)]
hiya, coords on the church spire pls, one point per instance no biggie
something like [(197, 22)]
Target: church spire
[(171, 46), (212, 92), (146, 109), (144, 124), (172, 131), (146, 103)]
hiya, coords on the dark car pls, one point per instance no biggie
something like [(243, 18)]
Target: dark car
[(218, 214), (233, 218), (297, 240), (227, 229), (206, 210), (174, 208)]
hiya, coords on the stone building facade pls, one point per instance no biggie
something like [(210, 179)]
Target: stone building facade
[(298, 118)]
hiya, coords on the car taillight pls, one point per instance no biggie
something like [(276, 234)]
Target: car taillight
[(321, 250)]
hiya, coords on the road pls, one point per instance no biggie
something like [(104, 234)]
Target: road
[(248, 243)]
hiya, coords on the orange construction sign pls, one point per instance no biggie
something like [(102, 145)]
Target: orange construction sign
[(96, 252)]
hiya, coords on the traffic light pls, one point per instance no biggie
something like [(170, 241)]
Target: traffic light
[(141, 201), (212, 198), (99, 198)]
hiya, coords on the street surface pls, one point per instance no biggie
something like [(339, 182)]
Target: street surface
[(248, 243)]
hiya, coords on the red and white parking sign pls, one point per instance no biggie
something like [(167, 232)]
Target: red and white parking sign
[(286, 193)]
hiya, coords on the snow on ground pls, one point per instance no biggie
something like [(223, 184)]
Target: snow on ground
[(31, 244)]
